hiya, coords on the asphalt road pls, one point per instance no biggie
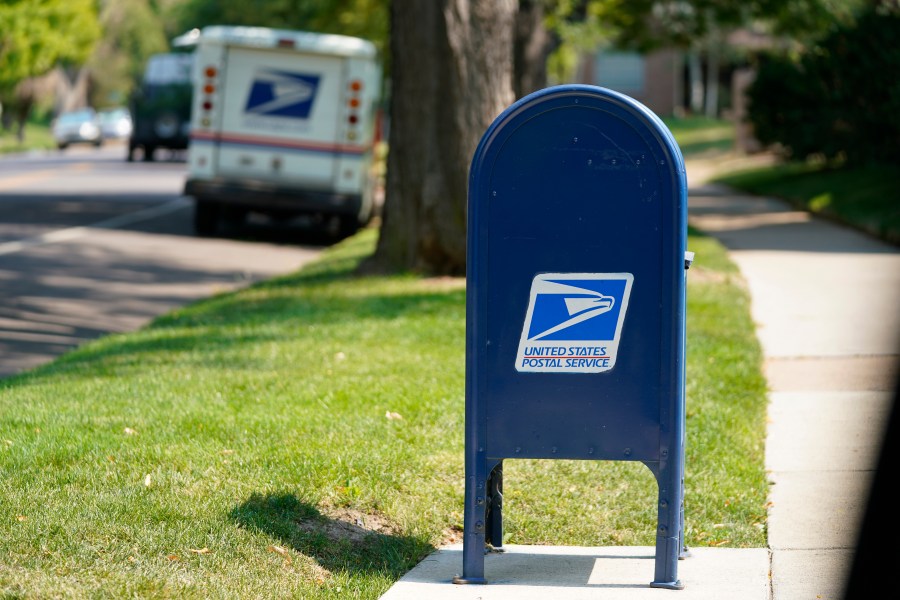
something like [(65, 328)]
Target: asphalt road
[(91, 245)]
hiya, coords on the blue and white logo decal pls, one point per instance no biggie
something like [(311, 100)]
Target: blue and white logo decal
[(573, 322), (282, 94)]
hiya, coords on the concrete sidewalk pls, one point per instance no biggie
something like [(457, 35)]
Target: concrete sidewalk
[(825, 300)]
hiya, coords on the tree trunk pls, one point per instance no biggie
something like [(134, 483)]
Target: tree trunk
[(695, 75), (451, 76), (531, 45), (712, 78)]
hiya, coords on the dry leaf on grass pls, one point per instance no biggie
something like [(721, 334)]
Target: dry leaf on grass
[(21, 518), (282, 551), (173, 557)]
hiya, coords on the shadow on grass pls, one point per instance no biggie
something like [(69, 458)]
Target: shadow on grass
[(229, 325), (349, 540), (706, 147)]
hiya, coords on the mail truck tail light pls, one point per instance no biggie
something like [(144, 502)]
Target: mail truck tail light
[(209, 89), (354, 102)]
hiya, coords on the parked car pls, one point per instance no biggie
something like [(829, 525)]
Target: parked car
[(77, 127), (161, 106), (115, 123)]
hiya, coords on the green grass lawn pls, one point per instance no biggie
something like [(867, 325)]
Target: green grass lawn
[(866, 197), (304, 438), (37, 137), (700, 136)]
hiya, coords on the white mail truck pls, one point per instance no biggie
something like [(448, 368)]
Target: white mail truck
[(282, 125)]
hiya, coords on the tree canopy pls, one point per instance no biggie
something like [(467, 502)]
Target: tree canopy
[(132, 31), (36, 35), (367, 19), (647, 24)]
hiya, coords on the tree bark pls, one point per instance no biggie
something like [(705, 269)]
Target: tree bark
[(451, 76), (695, 71), (531, 45), (711, 101)]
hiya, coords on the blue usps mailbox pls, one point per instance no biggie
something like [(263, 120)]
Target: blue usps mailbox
[(575, 326)]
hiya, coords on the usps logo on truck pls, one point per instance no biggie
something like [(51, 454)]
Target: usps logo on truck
[(574, 322), (281, 94)]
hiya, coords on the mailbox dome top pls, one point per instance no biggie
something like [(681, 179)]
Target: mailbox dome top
[(636, 114)]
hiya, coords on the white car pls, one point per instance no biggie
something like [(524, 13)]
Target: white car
[(115, 123), (77, 127)]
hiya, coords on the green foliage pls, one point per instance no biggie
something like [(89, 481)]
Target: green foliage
[(132, 32), (648, 24), (36, 35), (37, 136), (840, 99), (367, 19), (645, 25)]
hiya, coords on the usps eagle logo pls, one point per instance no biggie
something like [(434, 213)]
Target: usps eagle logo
[(281, 94), (574, 322)]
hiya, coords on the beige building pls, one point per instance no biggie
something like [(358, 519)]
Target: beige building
[(654, 79)]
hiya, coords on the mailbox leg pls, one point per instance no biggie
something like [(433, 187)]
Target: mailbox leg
[(685, 552), (473, 534), (669, 534), (494, 535), (474, 518)]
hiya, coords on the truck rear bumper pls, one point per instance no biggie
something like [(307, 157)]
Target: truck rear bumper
[(263, 196)]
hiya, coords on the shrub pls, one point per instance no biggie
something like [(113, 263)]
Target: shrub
[(841, 99)]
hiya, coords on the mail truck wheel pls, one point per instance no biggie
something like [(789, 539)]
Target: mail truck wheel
[(206, 217), (348, 225)]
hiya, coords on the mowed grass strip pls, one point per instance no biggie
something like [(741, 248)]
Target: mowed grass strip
[(864, 197), (37, 136), (701, 136), (304, 438)]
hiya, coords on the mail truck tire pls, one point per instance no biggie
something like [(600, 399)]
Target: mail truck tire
[(206, 217), (348, 225), (232, 216)]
